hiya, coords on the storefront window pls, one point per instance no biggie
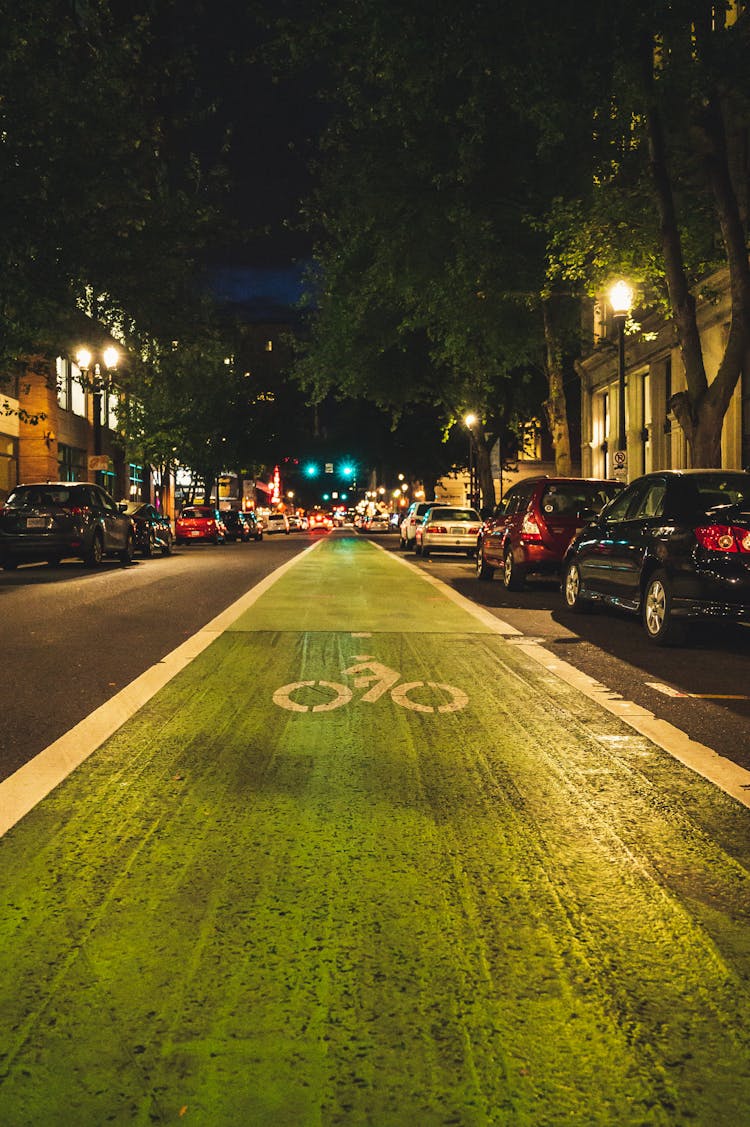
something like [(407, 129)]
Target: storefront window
[(71, 463), (8, 465)]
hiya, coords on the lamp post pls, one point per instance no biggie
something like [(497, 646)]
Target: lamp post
[(470, 420), (109, 360), (621, 301)]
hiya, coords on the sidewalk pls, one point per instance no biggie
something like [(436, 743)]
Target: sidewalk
[(363, 862)]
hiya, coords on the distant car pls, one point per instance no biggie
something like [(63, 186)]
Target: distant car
[(277, 522), (531, 528), (319, 521), (408, 527), (378, 522), (53, 520), (448, 528), (295, 522), (674, 548), (199, 522), (152, 530), (241, 526)]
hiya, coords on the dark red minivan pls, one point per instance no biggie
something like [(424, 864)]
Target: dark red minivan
[(531, 528)]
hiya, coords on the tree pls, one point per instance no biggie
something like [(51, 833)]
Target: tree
[(424, 222), (668, 100)]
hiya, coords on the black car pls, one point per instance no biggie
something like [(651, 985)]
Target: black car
[(673, 547), (241, 526), (52, 520), (151, 528)]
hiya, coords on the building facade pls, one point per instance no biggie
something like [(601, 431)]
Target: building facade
[(653, 374)]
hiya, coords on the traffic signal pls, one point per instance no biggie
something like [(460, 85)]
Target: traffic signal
[(347, 470), (311, 470)]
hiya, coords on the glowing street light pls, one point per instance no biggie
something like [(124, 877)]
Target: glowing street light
[(110, 358), (621, 300)]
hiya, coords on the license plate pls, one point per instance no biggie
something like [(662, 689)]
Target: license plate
[(36, 522), (194, 532), (457, 532)]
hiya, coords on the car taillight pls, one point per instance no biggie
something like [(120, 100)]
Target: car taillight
[(723, 538), (472, 531), (436, 528), (530, 529)]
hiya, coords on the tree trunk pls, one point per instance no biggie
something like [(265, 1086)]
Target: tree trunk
[(482, 460), (700, 410), (555, 406)]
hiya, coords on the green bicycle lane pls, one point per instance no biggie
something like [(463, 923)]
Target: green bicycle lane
[(362, 862)]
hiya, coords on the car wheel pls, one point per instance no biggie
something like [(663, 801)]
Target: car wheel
[(425, 551), (95, 553), (417, 549), (126, 555), (513, 575), (484, 571), (148, 547), (215, 539), (571, 588), (658, 620), (166, 547)]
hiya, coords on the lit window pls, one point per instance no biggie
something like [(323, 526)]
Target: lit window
[(269, 346), (77, 392)]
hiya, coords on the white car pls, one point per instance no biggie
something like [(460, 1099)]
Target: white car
[(448, 528), (408, 527), (277, 522)]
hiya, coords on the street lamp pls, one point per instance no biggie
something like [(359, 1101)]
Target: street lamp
[(621, 301), (470, 420), (110, 358)]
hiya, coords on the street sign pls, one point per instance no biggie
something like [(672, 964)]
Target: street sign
[(98, 462), (620, 465), (329, 467)]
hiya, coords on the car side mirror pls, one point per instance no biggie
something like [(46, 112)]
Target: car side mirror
[(122, 506)]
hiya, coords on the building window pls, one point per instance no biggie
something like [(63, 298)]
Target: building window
[(645, 410), (600, 433), (8, 465), (62, 370), (112, 406), (135, 487), (269, 346), (71, 463), (77, 391)]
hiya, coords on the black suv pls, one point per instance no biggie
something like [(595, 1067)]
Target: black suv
[(241, 526), (52, 520)]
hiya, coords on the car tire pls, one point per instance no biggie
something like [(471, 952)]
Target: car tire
[(128, 552), (148, 547), (656, 612), (514, 576), (95, 554), (402, 544), (417, 549), (425, 552), (167, 544), (484, 571), (571, 589)]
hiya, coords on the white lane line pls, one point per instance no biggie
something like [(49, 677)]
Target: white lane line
[(21, 791), (722, 772)]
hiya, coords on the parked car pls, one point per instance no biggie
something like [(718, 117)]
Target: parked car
[(318, 521), (53, 520), (531, 528), (378, 522), (674, 547), (199, 522), (151, 528), (408, 529), (241, 526), (277, 522), (448, 528)]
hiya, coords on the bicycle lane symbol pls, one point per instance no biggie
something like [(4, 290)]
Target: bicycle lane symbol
[(377, 679)]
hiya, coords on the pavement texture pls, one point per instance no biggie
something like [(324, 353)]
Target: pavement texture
[(363, 863)]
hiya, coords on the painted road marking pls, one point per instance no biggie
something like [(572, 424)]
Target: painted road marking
[(668, 691), (722, 772), (378, 679)]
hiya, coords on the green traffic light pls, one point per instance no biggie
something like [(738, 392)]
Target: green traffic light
[(311, 470), (347, 470)]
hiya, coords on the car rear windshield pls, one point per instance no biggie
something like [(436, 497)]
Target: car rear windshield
[(199, 514), (454, 514), (714, 489), (568, 498), (40, 496)]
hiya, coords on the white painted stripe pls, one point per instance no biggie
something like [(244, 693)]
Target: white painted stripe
[(722, 772), (20, 792)]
